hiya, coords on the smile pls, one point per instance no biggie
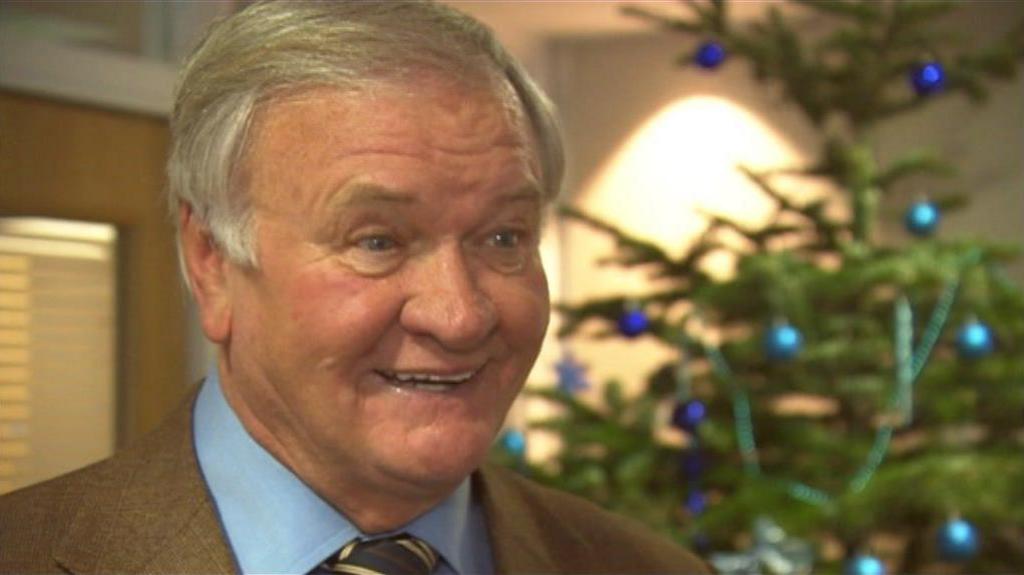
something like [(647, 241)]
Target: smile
[(427, 381)]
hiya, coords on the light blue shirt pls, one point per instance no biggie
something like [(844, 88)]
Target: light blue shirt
[(276, 524)]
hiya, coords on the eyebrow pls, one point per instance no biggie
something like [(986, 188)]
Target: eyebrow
[(368, 193), (529, 192), (365, 193)]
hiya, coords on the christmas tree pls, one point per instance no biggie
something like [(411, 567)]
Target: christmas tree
[(838, 403)]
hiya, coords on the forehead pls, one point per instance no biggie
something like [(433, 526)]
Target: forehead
[(301, 138), (432, 109)]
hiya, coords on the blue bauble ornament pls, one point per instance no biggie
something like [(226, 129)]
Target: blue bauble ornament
[(514, 442), (864, 565), (975, 340), (633, 323), (696, 502), (922, 218), (701, 542), (957, 540), (782, 342), (689, 414), (709, 55), (691, 463), (928, 78)]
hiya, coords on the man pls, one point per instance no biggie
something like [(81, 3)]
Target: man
[(358, 189)]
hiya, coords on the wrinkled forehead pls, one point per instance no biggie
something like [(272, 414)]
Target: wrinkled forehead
[(404, 89), (302, 135), (396, 101)]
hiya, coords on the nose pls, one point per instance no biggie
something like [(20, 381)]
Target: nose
[(446, 302)]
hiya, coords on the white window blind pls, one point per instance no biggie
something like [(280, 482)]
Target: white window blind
[(57, 347)]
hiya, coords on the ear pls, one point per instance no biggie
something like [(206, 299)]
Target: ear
[(206, 268)]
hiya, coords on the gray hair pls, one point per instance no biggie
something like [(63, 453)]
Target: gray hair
[(274, 47)]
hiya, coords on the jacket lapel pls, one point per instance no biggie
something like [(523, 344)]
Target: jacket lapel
[(147, 510), (519, 542)]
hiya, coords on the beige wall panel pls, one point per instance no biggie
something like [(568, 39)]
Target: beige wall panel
[(611, 87)]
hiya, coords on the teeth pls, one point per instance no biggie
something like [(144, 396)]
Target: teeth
[(433, 386), (428, 380)]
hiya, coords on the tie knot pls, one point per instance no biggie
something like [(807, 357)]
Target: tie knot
[(399, 555)]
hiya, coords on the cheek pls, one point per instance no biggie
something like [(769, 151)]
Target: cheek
[(524, 308), (340, 313)]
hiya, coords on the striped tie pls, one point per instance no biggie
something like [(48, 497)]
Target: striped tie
[(399, 555)]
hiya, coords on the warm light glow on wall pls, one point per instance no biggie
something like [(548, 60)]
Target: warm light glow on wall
[(678, 163), (681, 162)]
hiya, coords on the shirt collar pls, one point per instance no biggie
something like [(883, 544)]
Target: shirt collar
[(274, 522)]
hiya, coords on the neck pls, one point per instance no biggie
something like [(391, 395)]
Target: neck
[(375, 503), (372, 500)]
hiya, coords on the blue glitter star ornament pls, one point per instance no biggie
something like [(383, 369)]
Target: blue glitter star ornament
[(571, 375), (773, 552), (957, 541)]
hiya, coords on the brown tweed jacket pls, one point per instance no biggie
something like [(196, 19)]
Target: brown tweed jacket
[(146, 510)]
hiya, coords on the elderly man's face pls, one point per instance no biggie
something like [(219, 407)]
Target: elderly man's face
[(399, 300)]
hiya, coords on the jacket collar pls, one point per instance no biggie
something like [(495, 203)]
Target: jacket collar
[(520, 541), (144, 511), (162, 519)]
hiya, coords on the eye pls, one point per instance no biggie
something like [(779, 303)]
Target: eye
[(507, 250), (505, 239), (377, 243), (374, 253)]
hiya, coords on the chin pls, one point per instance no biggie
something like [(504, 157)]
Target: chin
[(442, 462), (436, 477)]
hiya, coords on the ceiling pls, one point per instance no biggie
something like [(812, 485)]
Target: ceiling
[(546, 18), (552, 17)]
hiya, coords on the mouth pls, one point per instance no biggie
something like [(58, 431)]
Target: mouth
[(431, 381)]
